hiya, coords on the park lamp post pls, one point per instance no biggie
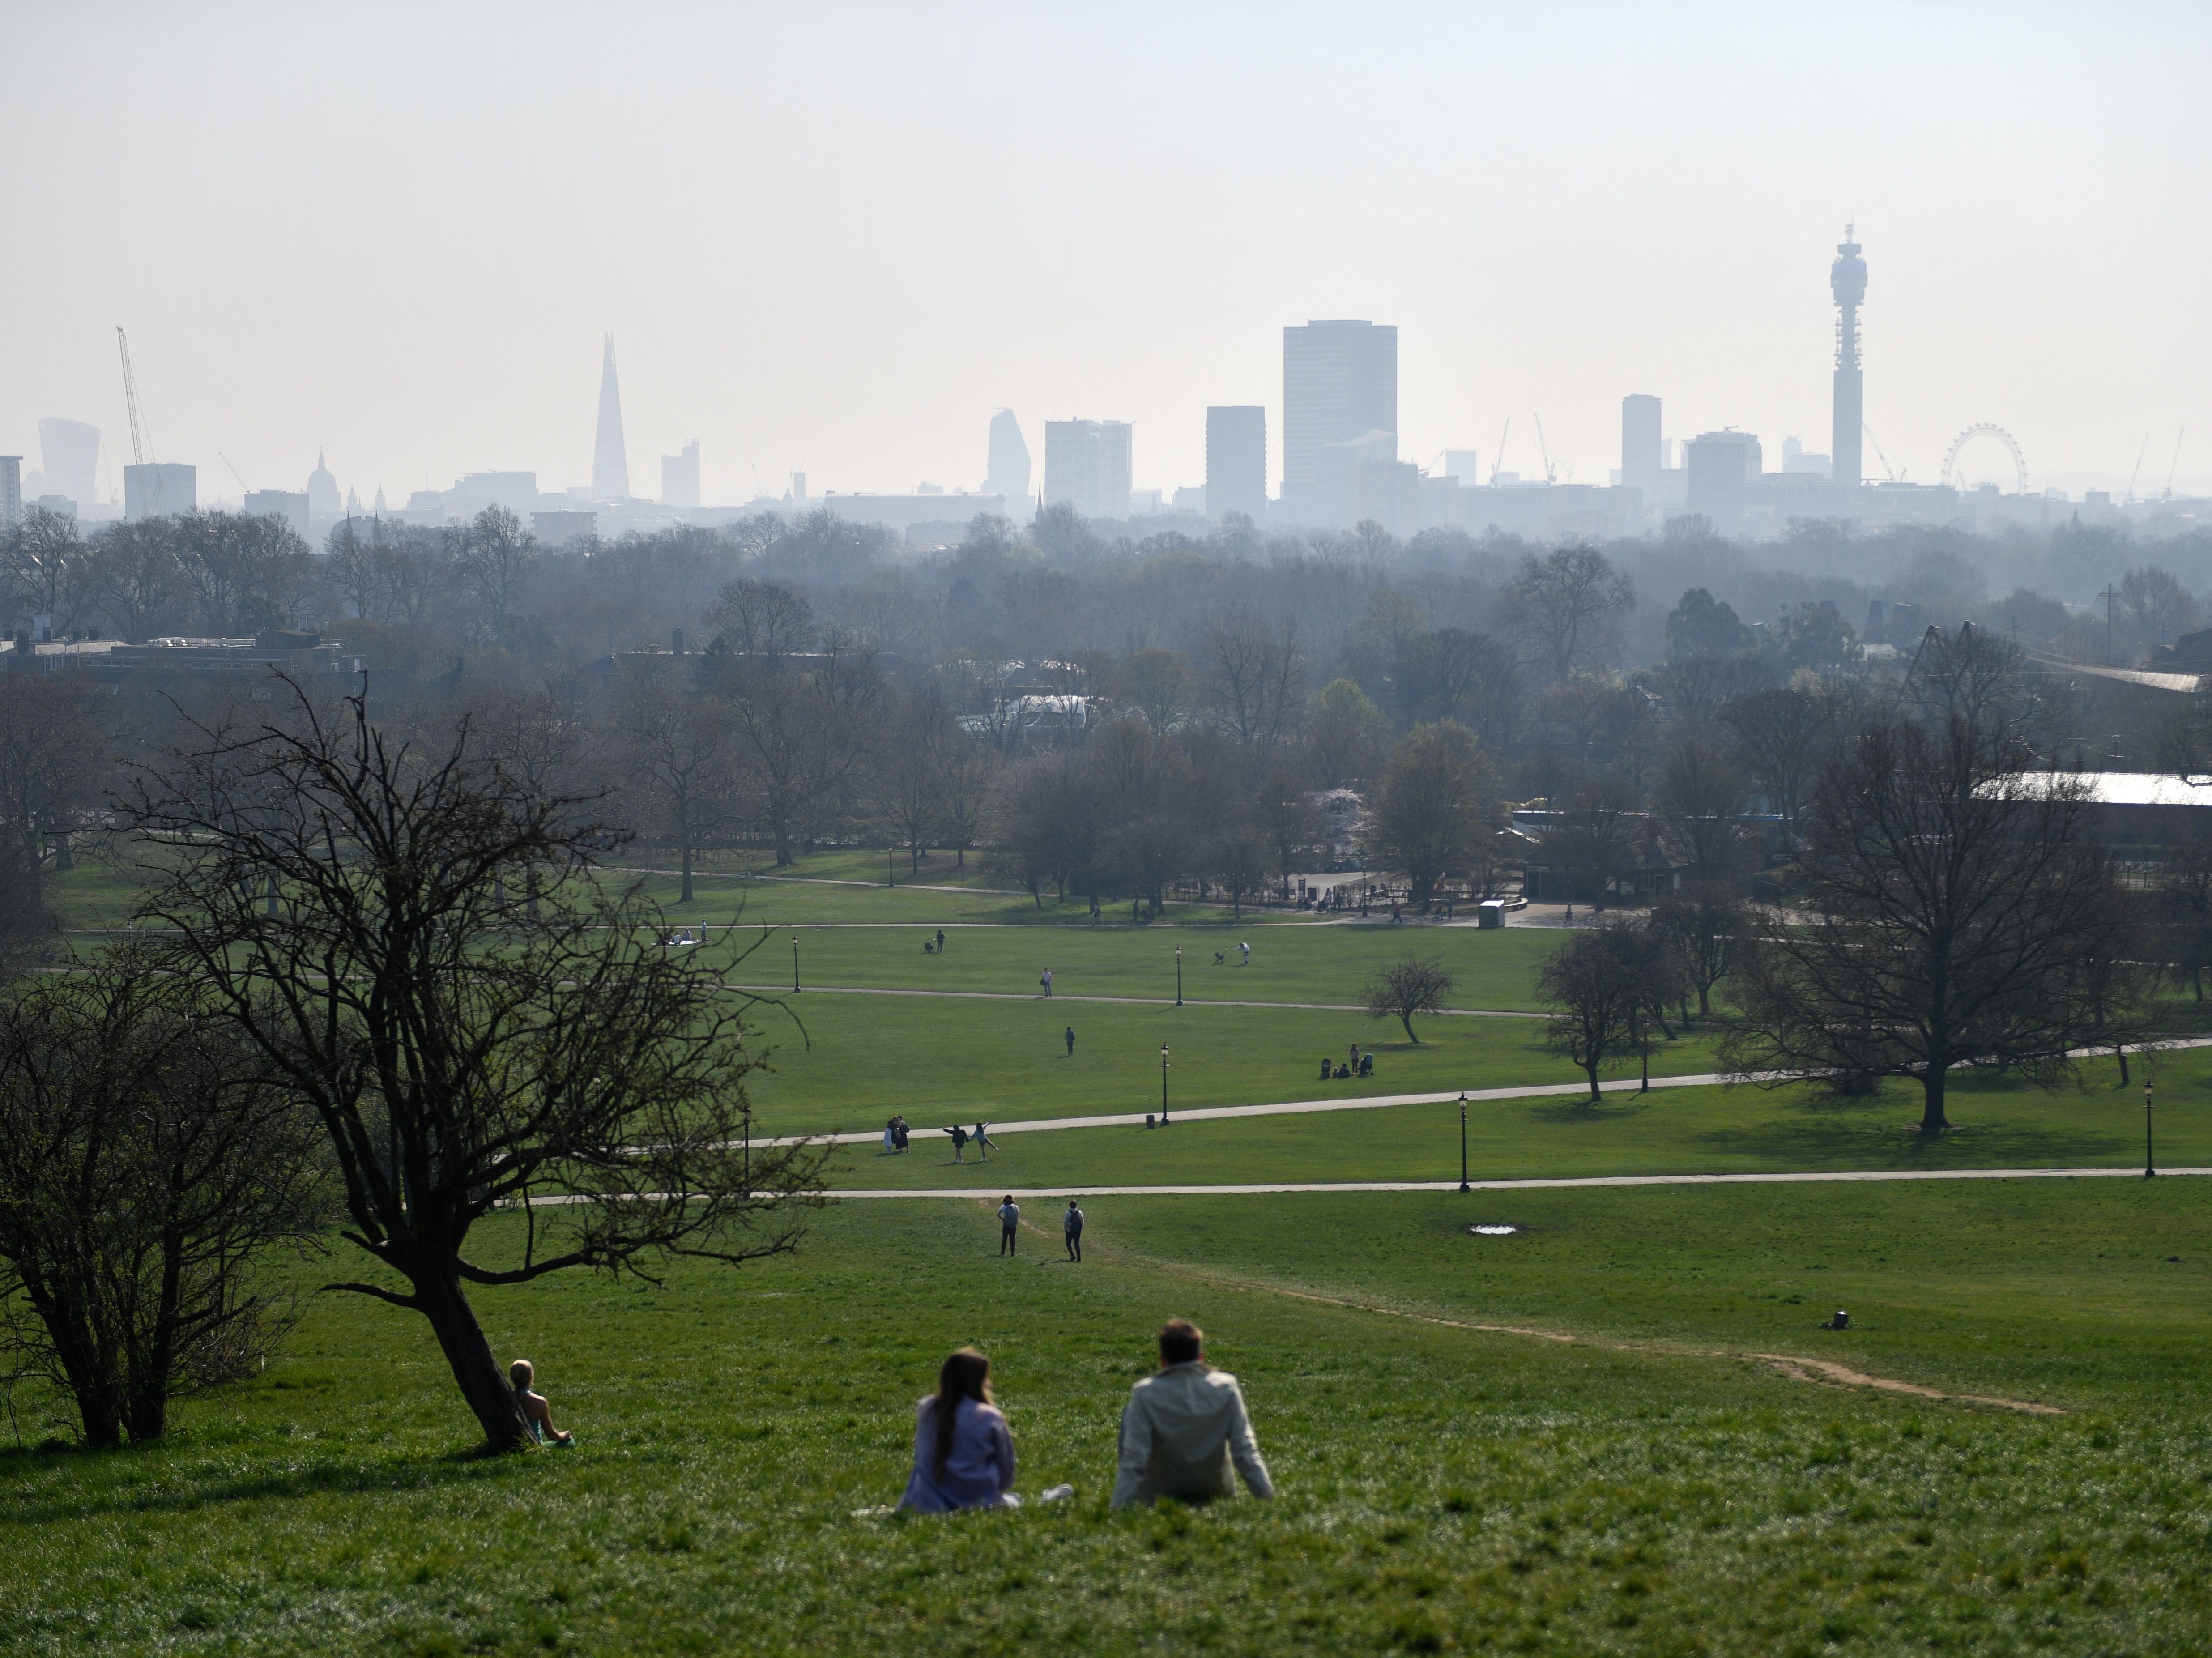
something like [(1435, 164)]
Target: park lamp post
[(794, 961), (1178, 976), (1163, 1084), (1463, 1186), (2150, 1168)]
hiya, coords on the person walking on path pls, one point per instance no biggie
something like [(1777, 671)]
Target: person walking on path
[(1009, 1218), (1184, 1430), (1071, 1229), (1070, 1034), (959, 1143)]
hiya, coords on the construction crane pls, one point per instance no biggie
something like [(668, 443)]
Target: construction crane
[(139, 446), (2175, 463), (1888, 471), (2129, 497), (1551, 474), (234, 472), (1497, 460)]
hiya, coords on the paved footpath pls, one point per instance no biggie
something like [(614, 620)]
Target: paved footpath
[(1133, 1001), (1021, 1191)]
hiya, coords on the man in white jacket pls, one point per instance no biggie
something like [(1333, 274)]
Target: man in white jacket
[(1184, 1432)]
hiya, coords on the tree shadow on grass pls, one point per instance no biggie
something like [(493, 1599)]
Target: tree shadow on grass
[(178, 1492), (1615, 1106), (1880, 1134)]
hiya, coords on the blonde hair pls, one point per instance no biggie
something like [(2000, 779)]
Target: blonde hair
[(521, 1373)]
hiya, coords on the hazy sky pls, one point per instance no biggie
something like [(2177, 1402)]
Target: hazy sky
[(839, 238)]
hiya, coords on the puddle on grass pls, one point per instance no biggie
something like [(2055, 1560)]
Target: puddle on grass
[(1496, 1231)]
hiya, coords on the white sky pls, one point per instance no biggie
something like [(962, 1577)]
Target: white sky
[(839, 238)]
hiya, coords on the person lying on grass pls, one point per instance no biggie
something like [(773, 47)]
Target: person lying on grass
[(535, 1410), (963, 1457), (1184, 1430)]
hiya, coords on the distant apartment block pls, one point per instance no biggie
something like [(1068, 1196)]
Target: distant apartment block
[(159, 488), (1236, 460), (1087, 465), (11, 491), (1641, 453), (289, 504), (1723, 469), (70, 450), (679, 477), (1008, 464), (1340, 387)]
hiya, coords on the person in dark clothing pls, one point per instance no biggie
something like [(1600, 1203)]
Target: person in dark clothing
[(940, 941), (1070, 1230), (1070, 1034), (1366, 1065), (1009, 1218), (959, 1143), (1324, 1068)]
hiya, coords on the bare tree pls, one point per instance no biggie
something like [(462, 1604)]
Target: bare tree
[(1289, 822), (800, 727), (457, 1063), (1703, 799), (910, 773), (1564, 604), (1599, 991), (1430, 811), (1780, 739), (1400, 989), (1157, 684), (1704, 926), (135, 579), (1238, 861), (147, 1160), (675, 745), (966, 772), (495, 558), (1255, 685), (1947, 899), (2158, 606), (47, 568), (54, 759)]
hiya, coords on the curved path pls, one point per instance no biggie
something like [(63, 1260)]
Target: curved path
[(1133, 1001), (1289, 1186)]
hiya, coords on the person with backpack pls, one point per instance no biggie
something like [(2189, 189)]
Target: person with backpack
[(1047, 981), (1010, 1219), (959, 1143), (1070, 1230)]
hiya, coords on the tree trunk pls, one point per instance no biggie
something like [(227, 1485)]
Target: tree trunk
[(454, 1321), (1592, 1068), (1406, 1020), (1932, 1120), (1705, 1004), (686, 898)]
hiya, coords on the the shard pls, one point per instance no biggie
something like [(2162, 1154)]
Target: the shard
[(609, 461)]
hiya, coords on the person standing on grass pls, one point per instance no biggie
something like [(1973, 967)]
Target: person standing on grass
[(891, 1137), (963, 1456), (1046, 980), (1185, 1432), (1247, 949), (959, 1143), (984, 1143), (1009, 1218), (1070, 1230), (940, 941), (1070, 1035)]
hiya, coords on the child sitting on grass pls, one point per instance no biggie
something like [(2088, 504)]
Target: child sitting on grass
[(535, 1410)]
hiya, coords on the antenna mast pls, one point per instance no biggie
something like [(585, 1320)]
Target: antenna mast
[(138, 446)]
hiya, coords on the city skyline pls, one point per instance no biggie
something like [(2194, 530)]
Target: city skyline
[(1525, 278)]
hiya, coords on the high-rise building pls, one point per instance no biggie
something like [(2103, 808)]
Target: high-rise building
[(1847, 280), (1087, 464), (679, 477), (322, 492), (290, 505), (1721, 469), (11, 491), (1008, 471), (1340, 386), (70, 450), (609, 460), (1465, 466), (1639, 441), (1236, 460), (159, 488)]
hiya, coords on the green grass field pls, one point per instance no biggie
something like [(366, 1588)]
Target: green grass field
[(1652, 1454)]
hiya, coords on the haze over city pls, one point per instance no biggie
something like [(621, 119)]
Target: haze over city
[(835, 241)]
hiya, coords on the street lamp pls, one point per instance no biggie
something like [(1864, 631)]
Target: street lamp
[(1178, 976), (1163, 1084), (1463, 1186), (2150, 1168), (795, 962)]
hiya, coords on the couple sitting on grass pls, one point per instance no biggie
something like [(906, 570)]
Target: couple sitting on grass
[(1184, 1433)]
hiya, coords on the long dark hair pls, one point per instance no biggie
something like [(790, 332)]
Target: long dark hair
[(966, 1374)]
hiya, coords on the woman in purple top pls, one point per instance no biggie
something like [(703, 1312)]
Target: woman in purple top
[(963, 1457)]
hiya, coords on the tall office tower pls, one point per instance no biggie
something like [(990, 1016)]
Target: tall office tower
[(1465, 466), (1721, 468), (1340, 386), (1008, 473), (1639, 441), (609, 462), (679, 478), (1087, 465), (11, 491), (1236, 460), (1847, 282), (70, 450), (322, 491), (160, 488)]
